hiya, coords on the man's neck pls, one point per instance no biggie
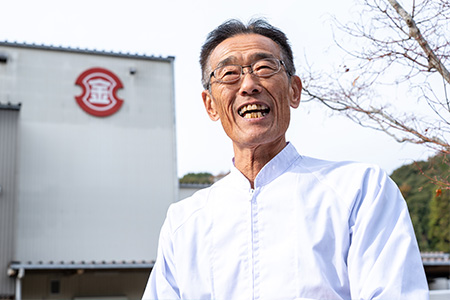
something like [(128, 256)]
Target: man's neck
[(250, 160)]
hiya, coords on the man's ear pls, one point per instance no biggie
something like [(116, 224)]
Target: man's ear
[(210, 105), (296, 86)]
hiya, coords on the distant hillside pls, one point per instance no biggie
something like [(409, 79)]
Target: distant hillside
[(198, 178), (428, 201)]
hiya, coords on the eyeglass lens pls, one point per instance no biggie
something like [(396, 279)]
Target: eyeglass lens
[(260, 68)]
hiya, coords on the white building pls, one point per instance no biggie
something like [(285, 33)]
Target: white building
[(87, 170)]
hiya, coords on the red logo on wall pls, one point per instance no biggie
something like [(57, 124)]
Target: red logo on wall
[(99, 92)]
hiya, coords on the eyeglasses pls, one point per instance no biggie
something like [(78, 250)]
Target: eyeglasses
[(232, 73)]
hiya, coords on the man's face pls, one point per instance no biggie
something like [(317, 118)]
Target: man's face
[(272, 96)]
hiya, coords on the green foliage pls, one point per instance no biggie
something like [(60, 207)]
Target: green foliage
[(199, 178), (429, 209), (439, 226)]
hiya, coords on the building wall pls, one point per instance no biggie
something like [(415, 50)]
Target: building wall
[(111, 285), (8, 141), (90, 188)]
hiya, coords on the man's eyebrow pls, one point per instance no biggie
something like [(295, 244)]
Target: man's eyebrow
[(227, 61)]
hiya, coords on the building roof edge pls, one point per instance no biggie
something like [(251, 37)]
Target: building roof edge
[(86, 51), (82, 265), (10, 106)]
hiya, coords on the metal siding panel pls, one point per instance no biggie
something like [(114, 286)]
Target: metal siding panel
[(90, 188), (8, 142)]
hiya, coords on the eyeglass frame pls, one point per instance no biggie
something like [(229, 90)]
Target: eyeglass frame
[(251, 71)]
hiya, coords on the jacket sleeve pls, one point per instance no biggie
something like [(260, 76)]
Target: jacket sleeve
[(162, 283), (383, 261)]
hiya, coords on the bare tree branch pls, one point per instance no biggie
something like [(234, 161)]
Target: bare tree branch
[(415, 33), (394, 53)]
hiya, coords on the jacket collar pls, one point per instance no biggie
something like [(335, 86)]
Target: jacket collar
[(272, 170)]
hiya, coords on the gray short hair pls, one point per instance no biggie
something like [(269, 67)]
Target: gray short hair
[(234, 27)]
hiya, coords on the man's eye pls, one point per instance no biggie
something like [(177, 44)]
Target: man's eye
[(264, 66), (228, 72), (231, 72), (261, 67)]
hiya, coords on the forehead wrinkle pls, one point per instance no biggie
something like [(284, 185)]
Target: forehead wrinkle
[(227, 61), (252, 58), (261, 55)]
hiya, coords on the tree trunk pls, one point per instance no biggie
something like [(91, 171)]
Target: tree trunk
[(414, 32)]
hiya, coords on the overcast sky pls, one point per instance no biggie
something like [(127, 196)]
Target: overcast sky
[(178, 28)]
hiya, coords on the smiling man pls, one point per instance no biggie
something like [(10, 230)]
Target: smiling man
[(280, 225)]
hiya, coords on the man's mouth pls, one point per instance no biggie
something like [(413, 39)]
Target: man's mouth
[(253, 111)]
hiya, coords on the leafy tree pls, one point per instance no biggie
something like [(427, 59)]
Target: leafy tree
[(428, 203), (439, 221), (197, 178), (417, 193)]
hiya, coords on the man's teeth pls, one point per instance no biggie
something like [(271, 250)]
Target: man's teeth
[(253, 115), (253, 111)]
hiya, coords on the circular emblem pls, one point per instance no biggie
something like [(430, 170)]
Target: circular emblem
[(99, 92)]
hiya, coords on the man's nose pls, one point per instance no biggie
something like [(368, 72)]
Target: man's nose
[(249, 83)]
